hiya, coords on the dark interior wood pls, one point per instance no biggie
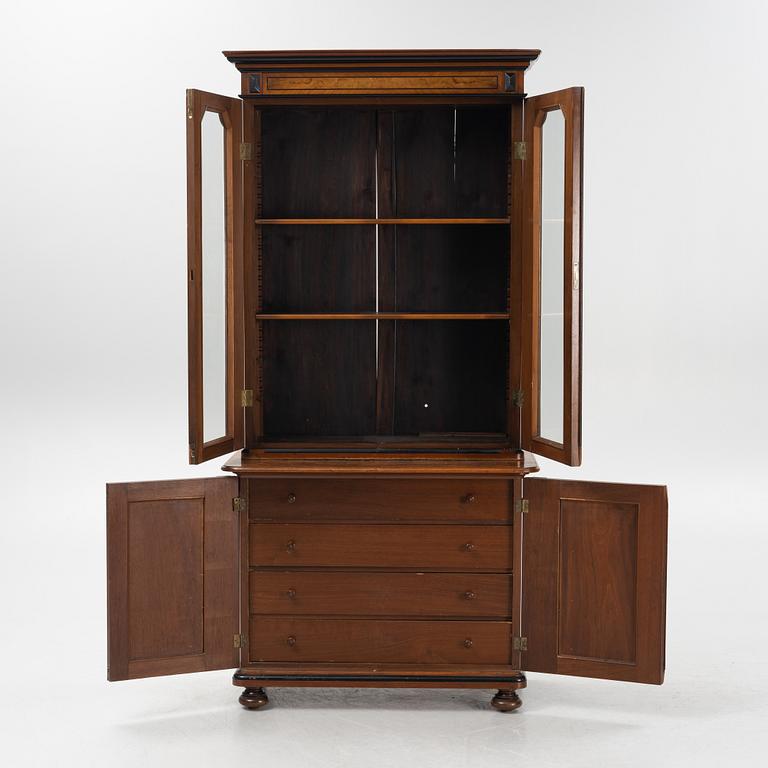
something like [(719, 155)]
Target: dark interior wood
[(319, 378), (351, 378), (450, 376), (318, 269), (318, 162)]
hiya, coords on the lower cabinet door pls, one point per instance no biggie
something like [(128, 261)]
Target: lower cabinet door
[(172, 577), (373, 641), (594, 579)]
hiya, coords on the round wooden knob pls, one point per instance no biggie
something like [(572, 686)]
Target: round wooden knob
[(469, 498), (468, 547), (291, 593), (291, 640), (290, 546), (468, 643), (469, 595), (291, 498)]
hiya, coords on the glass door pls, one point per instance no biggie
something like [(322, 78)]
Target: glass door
[(552, 275), (214, 279)]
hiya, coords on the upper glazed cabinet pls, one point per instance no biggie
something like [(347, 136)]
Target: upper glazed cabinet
[(385, 256)]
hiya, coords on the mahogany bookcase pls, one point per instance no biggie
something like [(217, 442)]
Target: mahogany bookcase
[(384, 329)]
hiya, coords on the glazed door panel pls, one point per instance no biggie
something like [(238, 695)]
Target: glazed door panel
[(214, 275), (172, 575), (594, 579), (553, 129)]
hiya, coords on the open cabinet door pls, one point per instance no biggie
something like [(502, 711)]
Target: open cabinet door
[(172, 577), (594, 579), (553, 129), (214, 275)]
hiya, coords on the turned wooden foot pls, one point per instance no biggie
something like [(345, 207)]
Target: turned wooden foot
[(253, 698), (506, 701)]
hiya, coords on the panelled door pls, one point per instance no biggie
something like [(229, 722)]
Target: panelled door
[(553, 130), (214, 275), (594, 579), (172, 577)]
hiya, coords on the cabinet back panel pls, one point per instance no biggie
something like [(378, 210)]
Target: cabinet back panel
[(318, 162), (451, 162), (319, 377), (319, 269), (451, 376), (452, 268)]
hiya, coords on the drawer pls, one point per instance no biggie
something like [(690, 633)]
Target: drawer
[(450, 547), (380, 594), (414, 500), (380, 641)]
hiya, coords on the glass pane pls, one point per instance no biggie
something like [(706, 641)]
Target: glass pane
[(214, 246), (552, 338)]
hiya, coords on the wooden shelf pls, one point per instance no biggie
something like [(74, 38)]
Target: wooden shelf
[(504, 220), (384, 316)]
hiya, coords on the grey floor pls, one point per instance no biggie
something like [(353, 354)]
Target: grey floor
[(709, 716)]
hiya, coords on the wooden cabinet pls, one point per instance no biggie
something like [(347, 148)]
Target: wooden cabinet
[(385, 327)]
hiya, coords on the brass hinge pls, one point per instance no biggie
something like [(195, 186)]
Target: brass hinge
[(246, 150), (238, 504), (521, 505), (246, 398), (192, 454), (519, 643), (240, 641), (519, 150)]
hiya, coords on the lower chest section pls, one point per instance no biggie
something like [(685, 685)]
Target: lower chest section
[(418, 572)]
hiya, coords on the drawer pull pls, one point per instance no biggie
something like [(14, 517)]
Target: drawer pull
[(291, 640), (468, 547), (469, 498), (291, 593), (290, 546), (468, 642), (469, 595), (291, 498)]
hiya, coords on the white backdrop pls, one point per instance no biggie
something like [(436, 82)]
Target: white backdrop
[(93, 377)]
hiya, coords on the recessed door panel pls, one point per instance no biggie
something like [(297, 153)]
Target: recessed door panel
[(594, 579)]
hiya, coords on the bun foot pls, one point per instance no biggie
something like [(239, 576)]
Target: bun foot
[(506, 701), (253, 698)]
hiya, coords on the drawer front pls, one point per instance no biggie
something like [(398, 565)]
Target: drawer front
[(450, 547), (327, 83), (485, 501), (377, 641), (380, 594)]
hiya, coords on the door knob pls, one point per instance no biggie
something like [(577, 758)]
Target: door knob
[(290, 546), (468, 547)]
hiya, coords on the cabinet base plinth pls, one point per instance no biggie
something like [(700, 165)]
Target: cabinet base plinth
[(254, 698), (385, 676), (506, 701)]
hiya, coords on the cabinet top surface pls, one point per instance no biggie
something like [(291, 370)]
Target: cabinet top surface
[(257, 463), (463, 56)]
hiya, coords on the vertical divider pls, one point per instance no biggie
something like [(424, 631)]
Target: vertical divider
[(386, 272)]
